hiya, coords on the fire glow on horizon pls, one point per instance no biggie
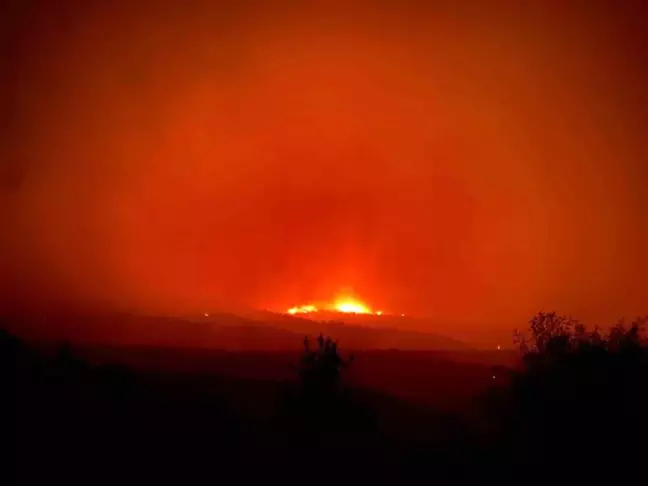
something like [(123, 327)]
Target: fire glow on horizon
[(345, 305)]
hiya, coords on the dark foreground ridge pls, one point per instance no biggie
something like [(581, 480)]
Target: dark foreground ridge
[(574, 409)]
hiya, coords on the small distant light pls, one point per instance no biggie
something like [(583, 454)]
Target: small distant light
[(493, 377), (206, 315), (379, 313), (402, 315), (498, 347)]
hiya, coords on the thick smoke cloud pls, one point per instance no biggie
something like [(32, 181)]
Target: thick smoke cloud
[(473, 164)]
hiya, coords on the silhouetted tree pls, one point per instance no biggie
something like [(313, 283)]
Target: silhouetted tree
[(13, 353), (577, 394), (19, 366), (320, 404), (320, 370)]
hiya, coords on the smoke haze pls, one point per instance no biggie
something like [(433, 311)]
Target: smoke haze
[(473, 164)]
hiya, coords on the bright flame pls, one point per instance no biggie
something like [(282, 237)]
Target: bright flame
[(346, 305), (352, 307), (303, 309)]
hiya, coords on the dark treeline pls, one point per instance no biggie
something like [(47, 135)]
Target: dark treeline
[(573, 409)]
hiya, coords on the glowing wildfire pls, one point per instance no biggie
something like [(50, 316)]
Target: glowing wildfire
[(345, 305), (303, 309), (352, 307)]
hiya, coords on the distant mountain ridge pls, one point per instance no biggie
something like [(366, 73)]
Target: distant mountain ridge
[(265, 331)]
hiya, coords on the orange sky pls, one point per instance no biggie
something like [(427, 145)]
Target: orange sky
[(473, 164)]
